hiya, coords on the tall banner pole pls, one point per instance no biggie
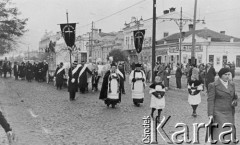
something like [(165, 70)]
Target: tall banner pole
[(70, 51)]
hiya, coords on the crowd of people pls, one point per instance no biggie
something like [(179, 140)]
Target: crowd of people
[(113, 77), (26, 71)]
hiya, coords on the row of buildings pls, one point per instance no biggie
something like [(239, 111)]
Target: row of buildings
[(217, 47)]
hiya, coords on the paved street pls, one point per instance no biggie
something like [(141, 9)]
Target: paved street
[(41, 115)]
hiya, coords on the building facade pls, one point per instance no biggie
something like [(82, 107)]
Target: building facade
[(210, 46)]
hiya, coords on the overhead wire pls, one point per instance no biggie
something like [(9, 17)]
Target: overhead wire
[(113, 14)]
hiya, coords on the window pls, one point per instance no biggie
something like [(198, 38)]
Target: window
[(199, 58), (172, 58), (224, 59), (211, 58), (165, 34), (238, 61), (184, 58)]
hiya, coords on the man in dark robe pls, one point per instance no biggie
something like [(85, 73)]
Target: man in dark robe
[(16, 70), (73, 80), (59, 74), (110, 91), (121, 69), (178, 76), (4, 68), (29, 72), (82, 79), (22, 71), (45, 70), (40, 71)]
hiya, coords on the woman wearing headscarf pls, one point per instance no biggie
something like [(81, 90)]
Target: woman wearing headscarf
[(222, 100)]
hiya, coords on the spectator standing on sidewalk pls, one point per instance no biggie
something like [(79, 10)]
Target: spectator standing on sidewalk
[(210, 74), (178, 76), (166, 77)]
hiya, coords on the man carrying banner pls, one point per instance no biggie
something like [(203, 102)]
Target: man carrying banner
[(73, 80), (82, 78), (59, 75), (137, 79)]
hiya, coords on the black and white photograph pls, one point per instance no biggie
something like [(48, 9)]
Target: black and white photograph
[(119, 72)]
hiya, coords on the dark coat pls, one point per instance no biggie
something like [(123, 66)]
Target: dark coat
[(59, 77), (83, 77), (178, 73), (104, 89), (73, 87), (210, 76), (220, 106), (16, 70), (165, 79), (29, 71)]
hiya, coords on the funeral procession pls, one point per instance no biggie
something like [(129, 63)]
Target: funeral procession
[(119, 72)]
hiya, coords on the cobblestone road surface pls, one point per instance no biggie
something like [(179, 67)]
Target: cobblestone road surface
[(42, 115)]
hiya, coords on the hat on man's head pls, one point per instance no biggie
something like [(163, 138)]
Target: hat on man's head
[(113, 64), (223, 71), (75, 63), (61, 63), (138, 65)]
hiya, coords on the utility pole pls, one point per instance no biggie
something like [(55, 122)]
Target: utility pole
[(92, 41), (181, 22), (153, 39), (180, 42), (193, 34)]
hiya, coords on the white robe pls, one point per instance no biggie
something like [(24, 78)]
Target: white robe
[(139, 86), (114, 94), (157, 103)]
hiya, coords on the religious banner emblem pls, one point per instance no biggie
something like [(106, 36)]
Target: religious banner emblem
[(138, 39), (68, 33)]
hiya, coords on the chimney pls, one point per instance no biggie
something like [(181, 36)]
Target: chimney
[(222, 32), (190, 26), (209, 38), (100, 31), (165, 12), (172, 9)]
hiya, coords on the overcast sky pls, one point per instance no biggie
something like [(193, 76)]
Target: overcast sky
[(46, 14)]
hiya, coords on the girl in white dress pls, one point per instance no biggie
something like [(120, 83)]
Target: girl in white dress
[(157, 91), (194, 97)]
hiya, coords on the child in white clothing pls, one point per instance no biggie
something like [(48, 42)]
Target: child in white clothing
[(157, 91)]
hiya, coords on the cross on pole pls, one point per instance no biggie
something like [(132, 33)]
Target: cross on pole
[(138, 39), (69, 31)]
